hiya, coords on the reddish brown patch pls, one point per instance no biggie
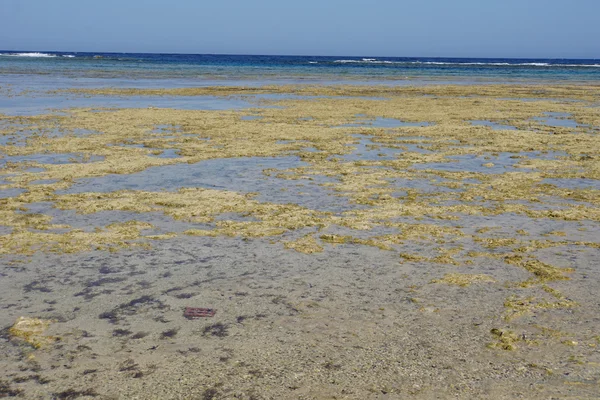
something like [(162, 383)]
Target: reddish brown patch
[(195, 312)]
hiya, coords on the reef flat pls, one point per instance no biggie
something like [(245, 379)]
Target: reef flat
[(356, 242)]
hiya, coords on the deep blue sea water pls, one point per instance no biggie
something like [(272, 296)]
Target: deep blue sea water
[(206, 67)]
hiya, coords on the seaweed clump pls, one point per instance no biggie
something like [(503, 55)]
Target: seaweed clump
[(218, 330), (7, 391), (307, 244), (170, 333), (463, 279), (71, 394), (130, 308), (506, 340), (543, 272), (121, 332)]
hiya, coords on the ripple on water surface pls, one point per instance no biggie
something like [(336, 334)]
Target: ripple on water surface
[(494, 125), (380, 122), (558, 120), (233, 174), (487, 163), (43, 104), (51, 158)]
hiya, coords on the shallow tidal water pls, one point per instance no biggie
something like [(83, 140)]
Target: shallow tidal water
[(370, 253)]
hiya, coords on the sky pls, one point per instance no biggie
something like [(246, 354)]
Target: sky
[(402, 28)]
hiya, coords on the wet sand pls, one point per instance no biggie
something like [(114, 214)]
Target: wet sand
[(355, 242)]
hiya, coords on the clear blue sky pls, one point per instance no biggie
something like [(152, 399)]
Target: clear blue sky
[(461, 28)]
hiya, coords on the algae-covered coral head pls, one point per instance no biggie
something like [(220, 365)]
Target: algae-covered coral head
[(31, 330)]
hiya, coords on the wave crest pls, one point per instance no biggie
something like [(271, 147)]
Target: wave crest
[(33, 54), (490, 64)]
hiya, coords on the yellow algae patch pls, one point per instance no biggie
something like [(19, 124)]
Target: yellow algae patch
[(163, 236), (555, 233), (306, 244), (581, 92), (202, 206), (542, 271), (128, 141), (412, 257), (463, 279), (207, 134), (519, 306), (31, 330), (505, 339), (200, 232), (445, 256), (336, 239), (341, 239), (114, 236)]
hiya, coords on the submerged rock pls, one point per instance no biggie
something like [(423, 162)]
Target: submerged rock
[(31, 330)]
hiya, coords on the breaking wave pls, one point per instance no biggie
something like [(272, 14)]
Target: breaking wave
[(36, 55), (46, 55), (492, 64)]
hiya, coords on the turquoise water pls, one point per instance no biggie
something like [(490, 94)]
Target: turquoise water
[(179, 69)]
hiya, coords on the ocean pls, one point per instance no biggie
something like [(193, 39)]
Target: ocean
[(222, 68)]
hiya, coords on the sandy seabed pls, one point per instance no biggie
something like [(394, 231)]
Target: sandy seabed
[(356, 242)]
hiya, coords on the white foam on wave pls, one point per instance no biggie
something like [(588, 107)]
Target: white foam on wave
[(367, 61), (28, 55), (494, 64), (580, 65), (68, 55), (502, 64)]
